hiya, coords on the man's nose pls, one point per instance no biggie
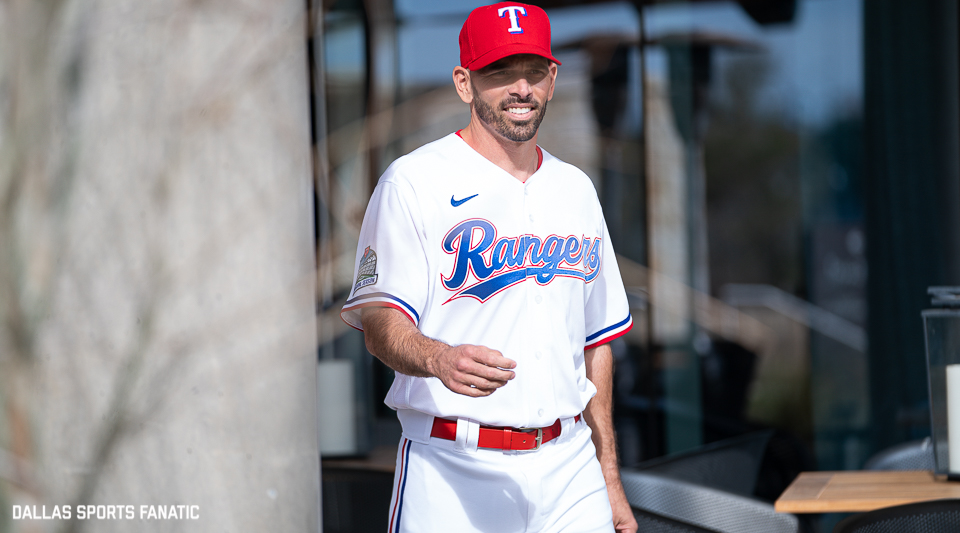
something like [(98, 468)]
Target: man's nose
[(521, 88)]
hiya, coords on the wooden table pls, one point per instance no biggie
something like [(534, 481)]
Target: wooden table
[(859, 491)]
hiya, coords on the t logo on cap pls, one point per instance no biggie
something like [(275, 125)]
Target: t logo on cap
[(483, 41), (514, 22)]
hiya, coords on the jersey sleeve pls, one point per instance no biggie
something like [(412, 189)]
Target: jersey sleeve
[(391, 267), (607, 313)]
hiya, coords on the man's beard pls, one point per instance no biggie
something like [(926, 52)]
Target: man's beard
[(517, 132)]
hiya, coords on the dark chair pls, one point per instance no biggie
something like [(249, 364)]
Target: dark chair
[(731, 465), (703, 507), (355, 500), (707, 489), (652, 523), (938, 516), (914, 455)]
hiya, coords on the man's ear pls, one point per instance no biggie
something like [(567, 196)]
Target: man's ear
[(461, 80), (553, 80)]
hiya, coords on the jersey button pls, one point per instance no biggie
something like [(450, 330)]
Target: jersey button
[(539, 298), (539, 355), (540, 412), (531, 218)]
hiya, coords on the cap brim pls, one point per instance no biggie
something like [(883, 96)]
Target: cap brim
[(508, 50)]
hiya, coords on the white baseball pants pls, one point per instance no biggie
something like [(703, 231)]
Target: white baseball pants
[(444, 487)]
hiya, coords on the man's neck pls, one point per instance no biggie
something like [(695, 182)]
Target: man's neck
[(519, 159)]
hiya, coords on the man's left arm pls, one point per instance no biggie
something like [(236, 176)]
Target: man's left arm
[(599, 416)]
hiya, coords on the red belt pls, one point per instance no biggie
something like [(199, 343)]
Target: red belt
[(501, 438)]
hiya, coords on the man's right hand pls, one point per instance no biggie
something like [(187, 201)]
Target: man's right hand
[(465, 369), (471, 370)]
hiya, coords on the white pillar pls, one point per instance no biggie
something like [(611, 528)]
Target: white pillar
[(158, 345)]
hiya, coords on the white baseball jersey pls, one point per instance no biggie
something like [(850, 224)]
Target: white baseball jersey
[(471, 255)]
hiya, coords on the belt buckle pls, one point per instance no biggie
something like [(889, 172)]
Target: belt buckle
[(538, 439)]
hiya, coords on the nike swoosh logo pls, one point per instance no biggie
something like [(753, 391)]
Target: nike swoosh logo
[(456, 203)]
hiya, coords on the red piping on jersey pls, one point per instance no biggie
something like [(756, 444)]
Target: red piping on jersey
[(539, 151), (375, 304), (608, 339)]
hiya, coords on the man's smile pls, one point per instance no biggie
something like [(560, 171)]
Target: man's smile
[(519, 111)]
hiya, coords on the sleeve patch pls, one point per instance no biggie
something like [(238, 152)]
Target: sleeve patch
[(367, 271)]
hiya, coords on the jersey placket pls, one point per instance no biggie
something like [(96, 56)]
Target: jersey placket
[(536, 302)]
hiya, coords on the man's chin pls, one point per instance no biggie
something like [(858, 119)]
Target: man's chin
[(521, 136), (517, 129)]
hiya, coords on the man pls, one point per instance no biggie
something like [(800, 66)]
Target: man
[(486, 280)]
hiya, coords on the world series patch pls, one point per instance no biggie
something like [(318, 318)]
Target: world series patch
[(367, 273)]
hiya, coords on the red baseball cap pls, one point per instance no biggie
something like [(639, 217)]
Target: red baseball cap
[(496, 31)]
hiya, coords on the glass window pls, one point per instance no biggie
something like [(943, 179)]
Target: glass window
[(779, 178)]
